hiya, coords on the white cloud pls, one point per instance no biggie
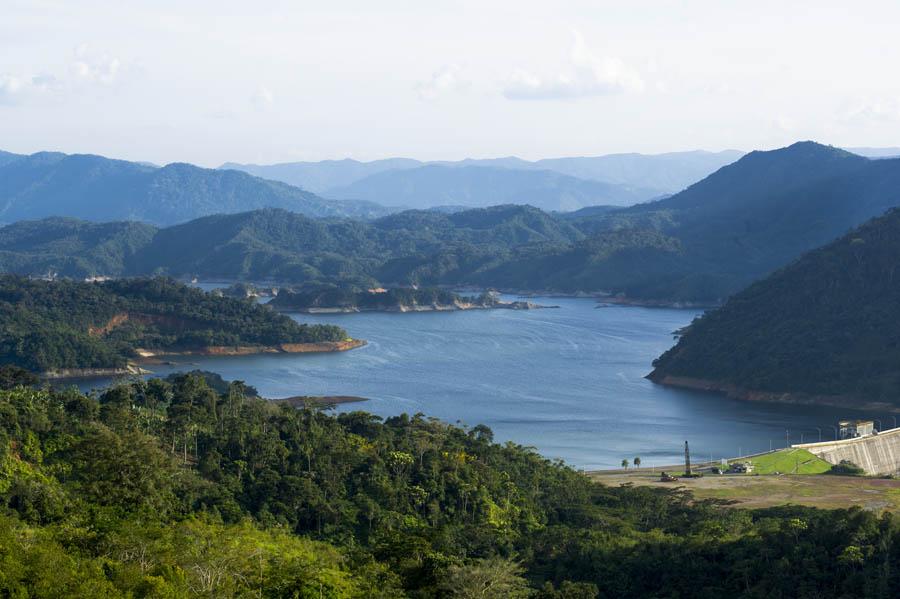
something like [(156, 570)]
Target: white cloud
[(10, 89), (446, 79), (883, 110), (95, 68), (586, 75), (263, 98), (16, 89)]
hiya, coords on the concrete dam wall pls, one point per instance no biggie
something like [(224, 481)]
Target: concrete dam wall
[(876, 454)]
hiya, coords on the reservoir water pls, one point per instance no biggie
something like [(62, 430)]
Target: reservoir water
[(568, 381)]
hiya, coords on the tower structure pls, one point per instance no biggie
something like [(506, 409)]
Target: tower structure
[(687, 460)]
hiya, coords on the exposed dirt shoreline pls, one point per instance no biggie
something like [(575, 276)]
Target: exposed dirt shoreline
[(736, 392), (150, 357), (91, 373)]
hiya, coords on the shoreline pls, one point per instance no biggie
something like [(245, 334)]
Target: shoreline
[(63, 374), (149, 356), (732, 391), (154, 357), (518, 305), (299, 401)]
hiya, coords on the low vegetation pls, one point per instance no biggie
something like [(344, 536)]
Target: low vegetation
[(789, 461)]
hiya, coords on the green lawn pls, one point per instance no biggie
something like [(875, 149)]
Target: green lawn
[(789, 461)]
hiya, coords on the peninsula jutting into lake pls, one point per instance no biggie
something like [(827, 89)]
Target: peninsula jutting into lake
[(66, 329)]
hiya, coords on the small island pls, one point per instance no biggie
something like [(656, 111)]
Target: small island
[(71, 329), (334, 300)]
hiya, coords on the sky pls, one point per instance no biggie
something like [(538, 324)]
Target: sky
[(270, 81)]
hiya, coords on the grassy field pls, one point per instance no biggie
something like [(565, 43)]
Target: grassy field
[(767, 491), (788, 461)]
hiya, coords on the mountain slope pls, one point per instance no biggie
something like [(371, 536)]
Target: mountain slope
[(481, 186), (7, 157), (824, 326), (101, 189), (756, 215)]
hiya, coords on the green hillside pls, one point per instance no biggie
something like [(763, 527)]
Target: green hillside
[(824, 325)]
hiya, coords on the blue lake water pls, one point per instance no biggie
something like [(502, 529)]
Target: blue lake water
[(568, 381)]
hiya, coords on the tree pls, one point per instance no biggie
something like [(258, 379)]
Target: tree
[(493, 578), (625, 463), (637, 462)]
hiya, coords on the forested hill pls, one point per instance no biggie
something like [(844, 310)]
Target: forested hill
[(97, 189), (172, 489), (825, 325), (49, 326), (276, 244), (756, 215)]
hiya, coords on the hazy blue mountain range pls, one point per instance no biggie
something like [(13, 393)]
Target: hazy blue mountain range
[(701, 245), (824, 325), (661, 173), (326, 174), (876, 152), (102, 189), (480, 186)]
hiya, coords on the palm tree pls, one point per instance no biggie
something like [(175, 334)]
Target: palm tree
[(625, 463), (637, 462)]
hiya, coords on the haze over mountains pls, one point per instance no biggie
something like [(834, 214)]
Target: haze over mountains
[(103, 189), (552, 184), (434, 185)]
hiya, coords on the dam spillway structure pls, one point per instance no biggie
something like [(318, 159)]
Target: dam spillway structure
[(877, 453)]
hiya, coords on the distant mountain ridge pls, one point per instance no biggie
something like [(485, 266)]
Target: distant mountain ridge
[(103, 189), (436, 185), (825, 326), (661, 173)]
